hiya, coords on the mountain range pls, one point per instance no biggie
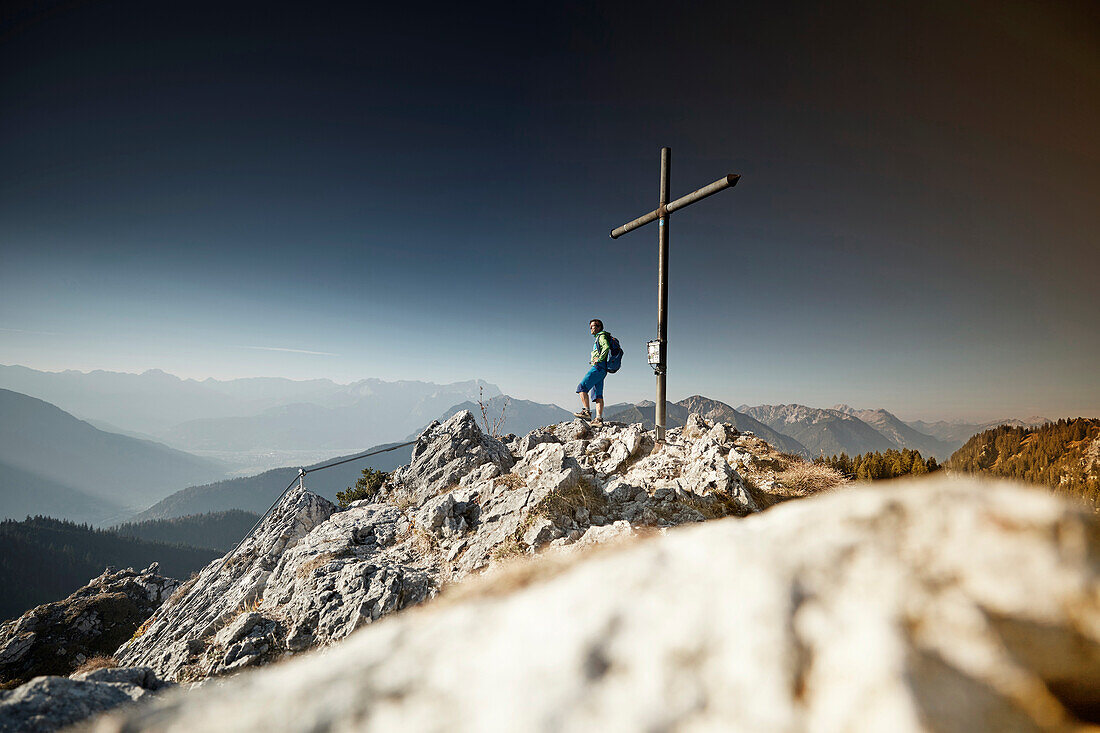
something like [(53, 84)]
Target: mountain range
[(53, 462), (676, 414), (813, 431), (248, 423), (256, 493), (822, 431), (901, 434), (957, 433), (105, 473)]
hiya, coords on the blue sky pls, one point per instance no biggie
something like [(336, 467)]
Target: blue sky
[(331, 193)]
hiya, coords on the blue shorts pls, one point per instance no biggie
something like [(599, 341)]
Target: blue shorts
[(593, 381)]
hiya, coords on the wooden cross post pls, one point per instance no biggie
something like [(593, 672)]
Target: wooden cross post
[(657, 349)]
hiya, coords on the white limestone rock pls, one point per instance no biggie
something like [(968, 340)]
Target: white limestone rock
[(540, 532), (935, 604), (620, 531), (546, 468), (180, 642), (444, 454), (353, 569), (312, 575)]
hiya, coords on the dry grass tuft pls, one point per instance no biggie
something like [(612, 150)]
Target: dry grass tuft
[(182, 590), (510, 548), (790, 459), (99, 661), (423, 542), (803, 479), (566, 501), (715, 505), (510, 480), (319, 561)]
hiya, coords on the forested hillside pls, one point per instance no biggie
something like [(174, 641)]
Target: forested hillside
[(875, 466), (44, 559), (1064, 455), (217, 530)]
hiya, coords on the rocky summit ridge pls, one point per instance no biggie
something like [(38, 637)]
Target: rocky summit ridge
[(934, 604), (312, 573)]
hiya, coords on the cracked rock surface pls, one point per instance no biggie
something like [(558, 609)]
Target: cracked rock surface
[(183, 640), (932, 604)]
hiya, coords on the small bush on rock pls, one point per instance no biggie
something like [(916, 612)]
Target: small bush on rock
[(366, 487), (511, 480), (140, 631)]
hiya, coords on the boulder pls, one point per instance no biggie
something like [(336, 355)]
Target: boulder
[(540, 532), (360, 565), (935, 604), (546, 468), (50, 703), (180, 643), (572, 430), (532, 439), (56, 638), (444, 455), (615, 532), (695, 427)]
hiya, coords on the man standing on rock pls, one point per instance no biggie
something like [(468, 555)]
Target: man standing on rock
[(593, 380)]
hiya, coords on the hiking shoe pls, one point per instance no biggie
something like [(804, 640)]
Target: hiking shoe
[(598, 421), (584, 414)]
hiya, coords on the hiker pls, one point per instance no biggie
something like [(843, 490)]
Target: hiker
[(593, 380)]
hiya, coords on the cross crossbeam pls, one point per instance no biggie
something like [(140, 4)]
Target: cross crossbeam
[(662, 215), (720, 185)]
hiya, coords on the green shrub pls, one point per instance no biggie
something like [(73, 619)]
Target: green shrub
[(366, 487)]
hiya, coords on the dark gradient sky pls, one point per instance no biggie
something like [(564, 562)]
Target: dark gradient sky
[(422, 192)]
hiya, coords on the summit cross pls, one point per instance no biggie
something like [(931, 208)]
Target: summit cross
[(658, 348)]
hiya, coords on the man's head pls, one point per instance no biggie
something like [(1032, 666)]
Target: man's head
[(595, 325)]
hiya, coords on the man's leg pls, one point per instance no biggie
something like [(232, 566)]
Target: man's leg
[(597, 392), (586, 384)]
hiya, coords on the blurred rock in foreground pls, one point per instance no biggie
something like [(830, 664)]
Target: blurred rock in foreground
[(46, 704)]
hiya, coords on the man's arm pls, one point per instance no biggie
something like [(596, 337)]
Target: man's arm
[(604, 344)]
